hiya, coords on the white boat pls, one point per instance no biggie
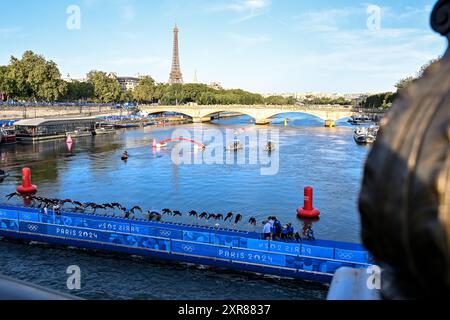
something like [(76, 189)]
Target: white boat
[(235, 146), (360, 135), (7, 136), (3, 174), (101, 129), (270, 146), (79, 133), (366, 135)]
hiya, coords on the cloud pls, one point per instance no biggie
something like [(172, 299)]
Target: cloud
[(7, 32), (137, 61), (246, 9), (248, 40), (128, 13)]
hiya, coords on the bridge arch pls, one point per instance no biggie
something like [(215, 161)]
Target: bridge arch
[(297, 112), (210, 114), (173, 111)]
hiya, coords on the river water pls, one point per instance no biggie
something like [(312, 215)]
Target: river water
[(306, 154)]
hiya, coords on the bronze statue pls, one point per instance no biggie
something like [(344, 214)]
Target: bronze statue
[(405, 197)]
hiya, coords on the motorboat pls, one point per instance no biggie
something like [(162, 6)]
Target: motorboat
[(270, 146), (79, 133), (360, 135), (356, 121), (3, 175), (372, 133), (235, 146), (102, 129), (366, 135), (7, 136)]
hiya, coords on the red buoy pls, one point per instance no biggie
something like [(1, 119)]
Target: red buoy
[(308, 210), (26, 186)]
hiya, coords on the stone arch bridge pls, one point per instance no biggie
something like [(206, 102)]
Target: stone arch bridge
[(261, 113)]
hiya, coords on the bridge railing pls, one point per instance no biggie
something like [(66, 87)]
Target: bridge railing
[(236, 106)]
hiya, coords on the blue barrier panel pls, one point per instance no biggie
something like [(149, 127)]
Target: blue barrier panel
[(8, 214), (73, 233), (231, 254), (308, 264), (316, 251), (32, 227), (107, 226), (352, 255), (226, 240), (265, 245), (29, 216), (194, 249), (194, 236), (152, 243), (168, 233), (244, 255), (11, 225)]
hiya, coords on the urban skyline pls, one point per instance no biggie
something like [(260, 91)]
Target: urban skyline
[(257, 45)]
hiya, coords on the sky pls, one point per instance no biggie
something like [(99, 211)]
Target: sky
[(265, 46)]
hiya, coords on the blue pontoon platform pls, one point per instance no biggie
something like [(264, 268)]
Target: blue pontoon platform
[(308, 260)]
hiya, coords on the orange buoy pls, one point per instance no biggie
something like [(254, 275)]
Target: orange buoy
[(308, 210), (26, 186)]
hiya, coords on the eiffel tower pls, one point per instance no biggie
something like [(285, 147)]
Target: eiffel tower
[(175, 75)]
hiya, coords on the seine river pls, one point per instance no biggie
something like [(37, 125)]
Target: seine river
[(306, 154)]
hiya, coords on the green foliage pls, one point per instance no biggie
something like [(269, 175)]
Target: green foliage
[(403, 83), (106, 88), (3, 79), (205, 95), (32, 78), (77, 90), (326, 100), (381, 100), (127, 96), (279, 100), (145, 90)]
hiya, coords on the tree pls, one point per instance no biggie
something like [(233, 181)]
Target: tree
[(33, 77), (145, 90), (405, 82), (127, 96), (3, 79), (77, 90), (106, 88), (279, 100)]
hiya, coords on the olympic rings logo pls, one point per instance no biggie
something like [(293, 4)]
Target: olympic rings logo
[(165, 233), (345, 256), (33, 227), (188, 248)]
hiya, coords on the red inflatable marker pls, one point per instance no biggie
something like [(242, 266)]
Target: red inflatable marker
[(308, 210), (26, 186)]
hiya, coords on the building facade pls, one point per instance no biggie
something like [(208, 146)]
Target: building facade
[(128, 83)]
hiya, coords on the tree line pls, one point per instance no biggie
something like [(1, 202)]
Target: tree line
[(33, 78)]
